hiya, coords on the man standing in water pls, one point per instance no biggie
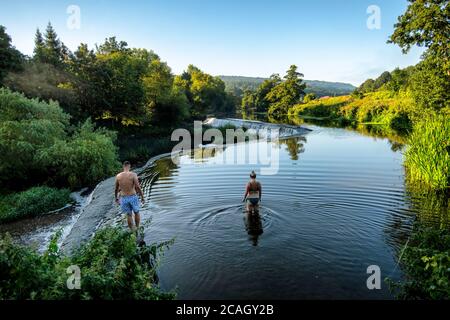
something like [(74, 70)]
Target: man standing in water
[(253, 193), (127, 183)]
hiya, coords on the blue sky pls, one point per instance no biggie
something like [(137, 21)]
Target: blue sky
[(327, 39)]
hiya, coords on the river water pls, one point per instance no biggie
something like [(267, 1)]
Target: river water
[(336, 206)]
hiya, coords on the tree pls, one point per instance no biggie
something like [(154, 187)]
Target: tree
[(204, 92), (426, 23), (430, 87), (111, 45), (384, 78), (309, 97), (287, 93), (53, 50), (164, 101), (10, 58), (257, 100), (39, 46)]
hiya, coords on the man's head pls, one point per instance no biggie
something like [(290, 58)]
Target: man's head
[(253, 175), (126, 165)]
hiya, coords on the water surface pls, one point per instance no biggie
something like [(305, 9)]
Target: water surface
[(337, 205)]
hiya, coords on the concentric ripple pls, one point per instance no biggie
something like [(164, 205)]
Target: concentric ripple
[(337, 205)]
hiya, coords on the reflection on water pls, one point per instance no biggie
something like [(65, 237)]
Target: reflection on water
[(337, 205), (253, 225)]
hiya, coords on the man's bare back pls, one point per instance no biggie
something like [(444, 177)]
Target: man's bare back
[(127, 182)]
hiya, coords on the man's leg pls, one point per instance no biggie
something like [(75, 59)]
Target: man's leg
[(130, 221), (137, 219)]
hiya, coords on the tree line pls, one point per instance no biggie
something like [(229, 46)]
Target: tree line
[(111, 83)]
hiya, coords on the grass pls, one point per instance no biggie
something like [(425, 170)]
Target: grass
[(111, 264), (32, 202), (427, 157)]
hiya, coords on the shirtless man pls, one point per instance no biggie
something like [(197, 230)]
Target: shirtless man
[(253, 193), (127, 183)]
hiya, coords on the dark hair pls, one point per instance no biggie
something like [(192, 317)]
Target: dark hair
[(126, 163), (253, 174)]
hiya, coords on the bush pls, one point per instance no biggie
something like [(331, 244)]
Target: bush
[(37, 146), (427, 157), (112, 266), (426, 262), (33, 202), (89, 156)]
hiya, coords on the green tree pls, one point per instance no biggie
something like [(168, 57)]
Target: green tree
[(426, 23), (287, 93), (10, 58), (39, 46), (53, 48), (384, 78), (309, 97), (204, 92), (164, 101)]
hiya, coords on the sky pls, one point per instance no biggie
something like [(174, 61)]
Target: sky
[(327, 39)]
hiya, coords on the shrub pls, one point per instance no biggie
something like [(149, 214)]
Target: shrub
[(38, 146), (32, 202), (426, 262), (112, 266), (89, 156)]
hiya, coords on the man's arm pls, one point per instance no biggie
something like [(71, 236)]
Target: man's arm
[(260, 191), (247, 190), (137, 187), (116, 190)]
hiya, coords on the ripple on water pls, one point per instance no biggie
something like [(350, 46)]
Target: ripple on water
[(334, 208)]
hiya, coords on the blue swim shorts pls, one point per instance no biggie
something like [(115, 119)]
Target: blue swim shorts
[(130, 204)]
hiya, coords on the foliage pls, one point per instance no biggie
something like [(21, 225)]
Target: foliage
[(204, 92), (287, 93), (37, 145), (427, 157), (426, 262), (48, 48), (10, 58), (426, 23), (89, 156), (47, 82), (32, 202), (112, 267)]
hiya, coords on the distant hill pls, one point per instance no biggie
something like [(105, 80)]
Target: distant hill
[(238, 84)]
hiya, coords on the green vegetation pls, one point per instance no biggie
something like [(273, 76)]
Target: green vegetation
[(37, 145), (10, 58), (275, 96), (426, 262), (32, 202), (427, 156), (112, 266)]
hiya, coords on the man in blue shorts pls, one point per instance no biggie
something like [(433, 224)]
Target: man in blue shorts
[(127, 184)]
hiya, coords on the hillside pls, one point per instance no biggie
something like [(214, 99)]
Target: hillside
[(238, 84)]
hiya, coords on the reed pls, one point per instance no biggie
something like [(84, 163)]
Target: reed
[(427, 157)]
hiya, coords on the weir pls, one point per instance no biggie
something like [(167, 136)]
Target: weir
[(259, 128)]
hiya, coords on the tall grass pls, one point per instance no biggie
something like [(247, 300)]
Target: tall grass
[(427, 157)]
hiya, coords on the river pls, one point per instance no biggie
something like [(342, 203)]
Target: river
[(337, 205)]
